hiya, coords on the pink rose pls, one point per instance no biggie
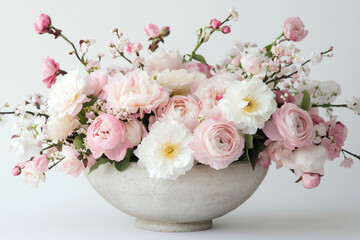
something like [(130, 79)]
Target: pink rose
[(183, 109), (311, 180), (107, 135), (42, 24), (292, 125), (217, 143), (332, 149), (283, 96), (49, 71), (97, 80), (41, 163), (152, 30), (198, 67), (294, 29)]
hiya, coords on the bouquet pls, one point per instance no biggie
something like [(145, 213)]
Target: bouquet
[(168, 111)]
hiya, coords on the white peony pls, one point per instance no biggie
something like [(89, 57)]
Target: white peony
[(179, 81), (248, 103), (67, 95), (58, 128), (165, 152), (163, 59), (310, 159)]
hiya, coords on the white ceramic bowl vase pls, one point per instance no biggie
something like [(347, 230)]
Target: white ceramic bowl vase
[(186, 204)]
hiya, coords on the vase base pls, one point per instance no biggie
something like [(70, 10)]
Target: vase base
[(173, 227)]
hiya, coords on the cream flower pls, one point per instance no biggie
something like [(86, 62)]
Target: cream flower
[(25, 145), (133, 91), (249, 104), (165, 152), (67, 95), (164, 59), (179, 81), (61, 127)]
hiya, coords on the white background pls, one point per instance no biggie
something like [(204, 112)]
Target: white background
[(68, 208)]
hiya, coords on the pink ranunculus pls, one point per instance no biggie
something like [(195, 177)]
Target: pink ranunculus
[(107, 135), (198, 67), (49, 71), (332, 149), (42, 23), (215, 24), (152, 30), (184, 109), (292, 125), (338, 131), (283, 96), (97, 80), (294, 29), (41, 163), (217, 143), (311, 180)]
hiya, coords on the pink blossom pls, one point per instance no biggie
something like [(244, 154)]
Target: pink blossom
[(107, 135), (215, 24), (152, 30), (217, 143), (198, 67), (283, 96), (226, 29), (311, 180), (236, 60), (92, 65), (97, 80), (332, 149), (338, 131), (291, 125), (184, 109), (41, 163), (264, 159), (347, 163), (134, 48), (42, 24), (32, 176), (71, 164), (49, 71), (294, 29)]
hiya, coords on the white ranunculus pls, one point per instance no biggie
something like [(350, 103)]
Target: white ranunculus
[(310, 159), (25, 144), (251, 63), (165, 152), (67, 95), (61, 127), (164, 59), (179, 81), (248, 103)]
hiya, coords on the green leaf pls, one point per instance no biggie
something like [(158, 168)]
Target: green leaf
[(93, 99), (122, 165), (99, 161), (199, 58), (252, 157), (249, 141), (79, 141), (81, 116), (305, 102)]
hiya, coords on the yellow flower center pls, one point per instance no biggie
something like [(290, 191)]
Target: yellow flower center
[(252, 105), (169, 150)]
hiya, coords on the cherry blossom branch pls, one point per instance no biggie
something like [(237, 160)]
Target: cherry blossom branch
[(28, 112), (352, 154), (75, 50), (55, 164), (327, 105)]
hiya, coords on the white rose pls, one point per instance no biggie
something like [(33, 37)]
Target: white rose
[(67, 95)]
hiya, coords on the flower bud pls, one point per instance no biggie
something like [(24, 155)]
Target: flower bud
[(42, 24), (16, 171), (226, 29), (311, 180), (165, 31), (215, 24)]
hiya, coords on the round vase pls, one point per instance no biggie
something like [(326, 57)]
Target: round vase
[(183, 205)]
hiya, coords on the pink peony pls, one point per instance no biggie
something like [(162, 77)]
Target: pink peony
[(49, 71), (41, 163), (198, 67), (294, 29), (107, 135), (97, 80), (183, 109), (217, 143), (311, 180), (42, 24), (291, 125), (152, 30)]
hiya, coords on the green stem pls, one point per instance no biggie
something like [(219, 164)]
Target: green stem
[(75, 50), (327, 105), (55, 164), (122, 54)]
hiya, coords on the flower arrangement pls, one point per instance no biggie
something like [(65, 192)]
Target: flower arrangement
[(168, 111)]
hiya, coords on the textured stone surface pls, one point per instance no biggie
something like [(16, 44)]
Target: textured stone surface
[(200, 195)]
